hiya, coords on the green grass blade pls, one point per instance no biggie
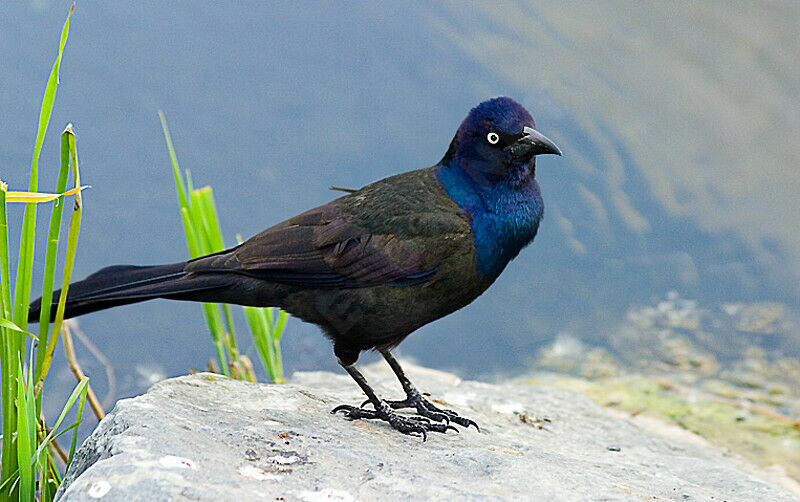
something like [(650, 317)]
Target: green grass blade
[(55, 476), (183, 202), (51, 253), (210, 219), (275, 329), (5, 258), (44, 481), (189, 183), (256, 321), (69, 259), (79, 390), (42, 458), (265, 315), (9, 457), (226, 313), (39, 197), (8, 341), (276, 342), (10, 480), (217, 335), (200, 223), (43, 478), (68, 428), (209, 309), (26, 435), (191, 236), (202, 201), (50, 262), (283, 316), (78, 419), (5, 323), (276, 348), (22, 290)]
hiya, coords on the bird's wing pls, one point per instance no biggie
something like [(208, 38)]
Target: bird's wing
[(320, 249), (330, 246)]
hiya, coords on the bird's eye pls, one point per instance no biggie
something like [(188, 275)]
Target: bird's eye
[(493, 138)]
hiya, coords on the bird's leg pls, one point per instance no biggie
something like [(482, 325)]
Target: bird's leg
[(382, 411), (417, 401)]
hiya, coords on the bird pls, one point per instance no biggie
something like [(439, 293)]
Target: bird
[(371, 267)]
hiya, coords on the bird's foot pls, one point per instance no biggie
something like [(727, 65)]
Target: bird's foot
[(429, 410), (405, 424)]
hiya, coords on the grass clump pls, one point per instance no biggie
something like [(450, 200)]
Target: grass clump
[(28, 466), (203, 236)]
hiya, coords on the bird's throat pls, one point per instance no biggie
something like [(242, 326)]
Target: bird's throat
[(504, 216)]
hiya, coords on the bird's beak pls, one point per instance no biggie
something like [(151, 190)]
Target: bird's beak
[(532, 143)]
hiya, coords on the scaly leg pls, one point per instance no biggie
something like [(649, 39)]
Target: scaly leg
[(415, 400), (382, 411)]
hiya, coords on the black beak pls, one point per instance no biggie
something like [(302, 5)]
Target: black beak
[(532, 143)]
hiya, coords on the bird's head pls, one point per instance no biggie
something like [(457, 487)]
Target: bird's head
[(498, 142)]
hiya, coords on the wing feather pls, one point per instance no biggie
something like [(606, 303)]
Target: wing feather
[(335, 245)]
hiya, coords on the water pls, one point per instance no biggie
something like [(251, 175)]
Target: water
[(679, 121)]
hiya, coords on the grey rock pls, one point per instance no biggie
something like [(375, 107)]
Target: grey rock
[(204, 437)]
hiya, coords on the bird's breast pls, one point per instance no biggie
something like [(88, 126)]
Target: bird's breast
[(508, 224), (503, 220)]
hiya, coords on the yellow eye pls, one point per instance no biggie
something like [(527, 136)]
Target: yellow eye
[(492, 138)]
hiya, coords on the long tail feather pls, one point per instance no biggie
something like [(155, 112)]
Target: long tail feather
[(124, 284)]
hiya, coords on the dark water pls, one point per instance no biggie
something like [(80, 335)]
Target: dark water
[(680, 123)]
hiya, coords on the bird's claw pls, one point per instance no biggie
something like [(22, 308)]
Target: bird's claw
[(405, 424), (433, 415), (428, 410)]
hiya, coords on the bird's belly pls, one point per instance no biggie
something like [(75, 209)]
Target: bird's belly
[(382, 316)]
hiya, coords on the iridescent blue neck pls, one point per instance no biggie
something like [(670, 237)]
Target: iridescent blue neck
[(504, 216)]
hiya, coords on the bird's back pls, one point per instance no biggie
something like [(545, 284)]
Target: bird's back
[(369, 267)]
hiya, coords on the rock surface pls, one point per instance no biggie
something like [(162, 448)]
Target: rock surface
[(205, 437)]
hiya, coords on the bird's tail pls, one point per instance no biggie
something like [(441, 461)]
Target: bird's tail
[(124, 284)]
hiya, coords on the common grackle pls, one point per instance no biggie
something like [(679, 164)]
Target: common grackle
[(376, 264)]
